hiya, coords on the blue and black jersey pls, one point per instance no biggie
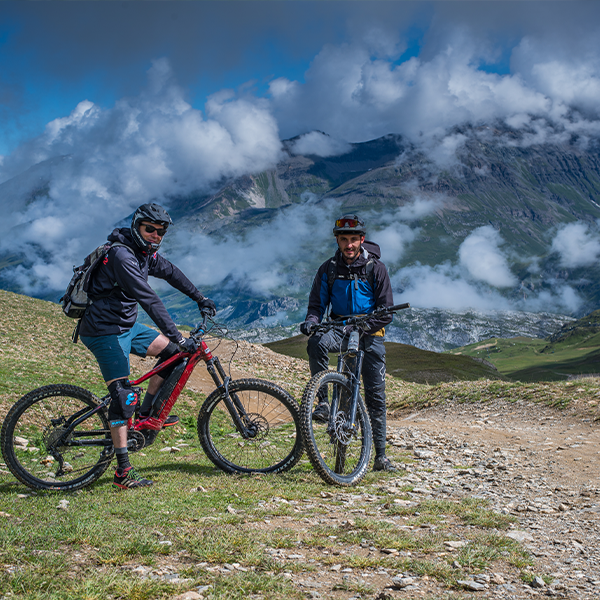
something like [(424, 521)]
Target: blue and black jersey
[(355, 289)]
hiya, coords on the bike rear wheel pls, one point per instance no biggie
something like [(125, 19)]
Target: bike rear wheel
[(37, 449), (339, 456), (273, 416)]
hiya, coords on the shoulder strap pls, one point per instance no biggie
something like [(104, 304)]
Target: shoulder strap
[(370, 272), (331, 274), (101, 257), (115, 244)]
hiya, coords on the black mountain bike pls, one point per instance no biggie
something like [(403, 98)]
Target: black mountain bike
[(57, 437), (339, 447)]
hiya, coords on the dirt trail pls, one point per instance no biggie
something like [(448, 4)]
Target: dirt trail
[(564, 445), (538, 464)]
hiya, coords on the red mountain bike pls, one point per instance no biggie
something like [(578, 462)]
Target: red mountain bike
[(57, 437)]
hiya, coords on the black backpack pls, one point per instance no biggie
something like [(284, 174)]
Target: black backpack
[(76, 300)]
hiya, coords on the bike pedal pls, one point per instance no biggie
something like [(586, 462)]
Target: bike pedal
[(171, 420)]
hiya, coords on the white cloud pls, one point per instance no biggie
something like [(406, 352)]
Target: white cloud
[(577, 244), (445, 286), (392, 230), (421, 206), (260, 259), (319, 144), (156, 144), (354, 93), (482, 257), (393, 241), (149, 146)]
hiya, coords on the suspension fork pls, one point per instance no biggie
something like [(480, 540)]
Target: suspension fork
[(232, 401), (355, 376), (335, 397)]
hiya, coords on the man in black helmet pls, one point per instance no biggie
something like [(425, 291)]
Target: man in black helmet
[(110, 330), (353, 282)]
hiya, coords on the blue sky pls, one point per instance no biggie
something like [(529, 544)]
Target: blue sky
[(104, 105), (53, 55)]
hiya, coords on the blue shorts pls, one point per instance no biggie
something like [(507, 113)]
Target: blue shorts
[(112, 351)]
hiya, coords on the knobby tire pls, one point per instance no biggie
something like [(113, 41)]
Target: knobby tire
[(276, 447), (342, 462), (33, 444)]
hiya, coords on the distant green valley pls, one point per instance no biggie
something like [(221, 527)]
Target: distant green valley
[(573, 351)]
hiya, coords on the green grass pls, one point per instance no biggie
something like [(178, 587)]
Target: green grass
[(195, 522), (407, 362), (572, 352)]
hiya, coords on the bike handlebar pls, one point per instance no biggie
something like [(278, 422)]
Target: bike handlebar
[(398, 307), (360, 319), (201, 329), (384, 310)]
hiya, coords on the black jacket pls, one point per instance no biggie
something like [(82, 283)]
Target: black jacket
[(352, 293), (129, 268)]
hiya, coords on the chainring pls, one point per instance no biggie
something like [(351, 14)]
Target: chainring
[(135, 440)]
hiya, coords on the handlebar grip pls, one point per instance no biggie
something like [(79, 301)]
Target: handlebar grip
[(399, 307)]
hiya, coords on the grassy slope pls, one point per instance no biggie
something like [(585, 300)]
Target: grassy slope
[(573, 351), (196, 518), (36, 349), (408, 363)]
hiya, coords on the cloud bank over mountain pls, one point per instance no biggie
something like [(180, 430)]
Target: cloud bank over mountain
[(355, 94), (577, 244), (533, 71)]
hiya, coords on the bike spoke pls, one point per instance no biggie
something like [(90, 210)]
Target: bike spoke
[(269, 412), (41, 450), (339, 451)]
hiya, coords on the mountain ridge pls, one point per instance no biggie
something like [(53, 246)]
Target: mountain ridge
[(421, 204)]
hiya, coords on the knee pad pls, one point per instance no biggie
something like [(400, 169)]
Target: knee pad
[(124, 399), (169, 350)]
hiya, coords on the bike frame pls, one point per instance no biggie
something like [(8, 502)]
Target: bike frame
[(158, 417), (203, 353), (156, 421)]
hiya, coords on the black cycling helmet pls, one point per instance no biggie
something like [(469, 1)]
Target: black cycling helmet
[(153, 213), (349, 224)]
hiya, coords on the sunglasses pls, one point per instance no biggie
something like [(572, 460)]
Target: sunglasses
[(348, 223), (151, 229)]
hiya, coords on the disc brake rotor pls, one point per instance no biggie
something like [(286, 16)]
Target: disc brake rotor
[(342, 434), (258, 425)]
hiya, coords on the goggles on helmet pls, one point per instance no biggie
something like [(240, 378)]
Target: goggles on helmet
[(343, 223), (349, 224)]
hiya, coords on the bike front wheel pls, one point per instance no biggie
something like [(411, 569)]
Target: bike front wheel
[(40, 449), (272, 417), (339, 452)]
